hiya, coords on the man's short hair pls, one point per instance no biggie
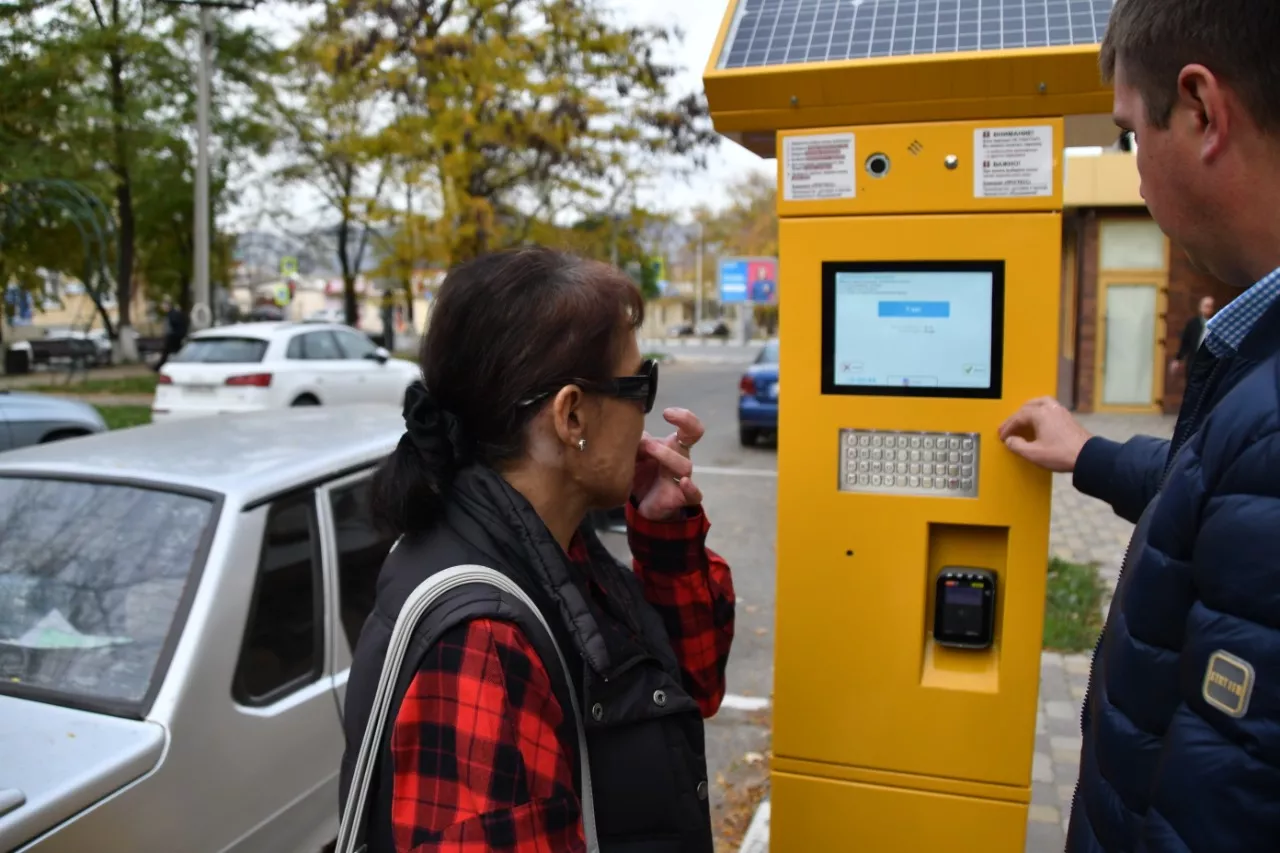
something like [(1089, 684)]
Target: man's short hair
[(1237, 40)]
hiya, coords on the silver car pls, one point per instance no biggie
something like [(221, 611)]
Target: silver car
[(38, 418), (178, 606)]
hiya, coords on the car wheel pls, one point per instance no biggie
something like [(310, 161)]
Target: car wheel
[(306, 400), (61, 434), (748, 435)]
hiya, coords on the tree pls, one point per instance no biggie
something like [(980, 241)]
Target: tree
[(518, 111), (105, 97)]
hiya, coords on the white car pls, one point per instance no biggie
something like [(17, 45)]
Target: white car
[(254, 366)]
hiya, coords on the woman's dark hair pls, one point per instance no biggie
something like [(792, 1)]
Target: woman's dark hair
[(505, 327)]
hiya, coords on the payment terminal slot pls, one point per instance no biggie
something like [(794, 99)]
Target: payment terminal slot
[(964, 615)]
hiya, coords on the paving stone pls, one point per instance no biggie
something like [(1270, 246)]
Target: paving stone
[(1044, 814), (1066, 756), (1069, 742), (1077, 664), (1044, 838), (1041, 767), (1077, 692), (1060, 710)]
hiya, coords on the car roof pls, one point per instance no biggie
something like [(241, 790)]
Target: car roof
[(268, 330), (245, 457)]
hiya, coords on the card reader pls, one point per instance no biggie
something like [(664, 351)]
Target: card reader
[(964, 615)]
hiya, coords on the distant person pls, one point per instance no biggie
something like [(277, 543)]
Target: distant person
[(1181, 722), (762, 289), (175, 330), (1192, 335)]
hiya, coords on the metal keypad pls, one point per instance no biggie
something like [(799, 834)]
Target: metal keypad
[(935, 464)]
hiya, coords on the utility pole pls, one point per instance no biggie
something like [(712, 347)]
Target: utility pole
[(697, 304), (201, 311)]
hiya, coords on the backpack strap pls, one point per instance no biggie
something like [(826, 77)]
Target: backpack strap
[(351, 831)]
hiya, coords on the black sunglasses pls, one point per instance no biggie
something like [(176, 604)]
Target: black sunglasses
[(642, 387)]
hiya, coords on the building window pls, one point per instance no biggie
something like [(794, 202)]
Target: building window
[(1131, 244), (282, 648)]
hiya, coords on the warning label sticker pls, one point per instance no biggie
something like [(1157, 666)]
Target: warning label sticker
[(1010, 162), (818, 167)]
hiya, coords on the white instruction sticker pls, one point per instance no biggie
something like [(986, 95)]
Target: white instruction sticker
[(818, 167), (1013, 161)]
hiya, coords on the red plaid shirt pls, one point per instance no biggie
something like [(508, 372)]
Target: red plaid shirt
[(476, 760)]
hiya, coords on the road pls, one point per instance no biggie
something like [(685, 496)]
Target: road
[(739, 495)]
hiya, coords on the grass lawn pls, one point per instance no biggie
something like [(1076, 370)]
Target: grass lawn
[(123, 417), (141, 384), (1073, 607)]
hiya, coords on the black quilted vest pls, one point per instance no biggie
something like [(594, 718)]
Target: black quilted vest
[(645, 733)]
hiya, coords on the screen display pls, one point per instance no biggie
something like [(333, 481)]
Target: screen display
[(914, 330), (962, 611)]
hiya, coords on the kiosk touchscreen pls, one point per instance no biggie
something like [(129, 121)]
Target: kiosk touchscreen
[(913, 329)]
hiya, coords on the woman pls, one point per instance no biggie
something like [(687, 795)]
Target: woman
[(530, 416)]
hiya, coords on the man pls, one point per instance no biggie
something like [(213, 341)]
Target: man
[(175, 330), (1181, 725), (762, 287), (1192, 336)]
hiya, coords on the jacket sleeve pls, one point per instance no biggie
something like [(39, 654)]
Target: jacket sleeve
[(1127, 476), (691, 588), (1216, 784)]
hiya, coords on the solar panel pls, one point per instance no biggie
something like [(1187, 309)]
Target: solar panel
[(784, 32)]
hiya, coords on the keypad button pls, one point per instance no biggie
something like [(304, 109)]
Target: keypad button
[(915, 442), (876, 441), (864, 440), (890, 441), (915, 468), (926, 456), (915, 482), (926, 482), (928, 444), (966, 458), (954, 443), (902, 456), (902, 467), (966, 484), (953, 471), (966, 470), (876, 479), (864, 466), (852, 454), (915, 456), (953, 457), (940, 470), (888, 480), (851, 478), (875, 467), (953, 484), (863, 479), (877, 453), (967, 444)]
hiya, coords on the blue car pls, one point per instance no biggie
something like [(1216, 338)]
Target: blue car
[(758, 397)]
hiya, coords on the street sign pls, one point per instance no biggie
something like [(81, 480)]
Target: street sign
[(288, 266)]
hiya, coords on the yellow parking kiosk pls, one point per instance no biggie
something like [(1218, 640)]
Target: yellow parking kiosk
[(920, 156)]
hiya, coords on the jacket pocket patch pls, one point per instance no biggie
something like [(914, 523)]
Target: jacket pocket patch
[(1228, 683)]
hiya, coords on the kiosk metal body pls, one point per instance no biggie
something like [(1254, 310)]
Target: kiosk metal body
[(919, 306)]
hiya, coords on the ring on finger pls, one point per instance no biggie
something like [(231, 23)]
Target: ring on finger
[(676, 480), (686, 446)]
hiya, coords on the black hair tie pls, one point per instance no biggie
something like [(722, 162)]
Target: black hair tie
[(434, 432)]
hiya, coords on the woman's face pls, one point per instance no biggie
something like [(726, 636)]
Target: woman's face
[(613, 437)]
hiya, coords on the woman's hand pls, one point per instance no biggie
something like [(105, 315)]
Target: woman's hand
[(663, 486)]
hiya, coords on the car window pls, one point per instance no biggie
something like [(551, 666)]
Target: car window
[(361, 550), (294, 350), (281, 648), (354, 344), (222, 351), (92, 577), (320, 346), (769, 355)]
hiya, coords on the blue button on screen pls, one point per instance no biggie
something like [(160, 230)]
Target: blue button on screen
[(915, 309)]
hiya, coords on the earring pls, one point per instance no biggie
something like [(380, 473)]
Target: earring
[(582, 444)]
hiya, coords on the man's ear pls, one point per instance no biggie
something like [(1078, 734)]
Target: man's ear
[(1202, 98), (568, 416)]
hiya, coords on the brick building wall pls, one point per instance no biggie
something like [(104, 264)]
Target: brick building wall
[(1186, 286)]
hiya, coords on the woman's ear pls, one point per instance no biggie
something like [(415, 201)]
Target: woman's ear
[(568, 416)]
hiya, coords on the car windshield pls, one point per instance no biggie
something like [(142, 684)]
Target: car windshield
[(91, 577), (770, 353), (222, 351)]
